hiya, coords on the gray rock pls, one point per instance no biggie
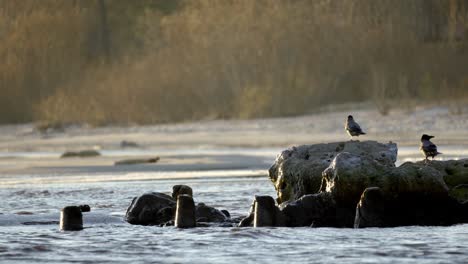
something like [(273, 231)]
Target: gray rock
[(360, 186), (185, 212), (150, 209), (413, 194), (206, 213), (298, 171), (370, 211)]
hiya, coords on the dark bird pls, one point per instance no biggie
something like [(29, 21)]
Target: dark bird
[(353, 128), (428, 148)]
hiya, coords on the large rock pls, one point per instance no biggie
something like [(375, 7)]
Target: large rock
[(412, 194), (159, 209), (349, 175), (298, 170), (151, 209), (384, 209), (311, 210), (360, 186)]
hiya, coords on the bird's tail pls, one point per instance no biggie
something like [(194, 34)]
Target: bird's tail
[(362, 133), (438, 153)]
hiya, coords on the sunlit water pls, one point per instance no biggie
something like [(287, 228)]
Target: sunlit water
[(28, 205)]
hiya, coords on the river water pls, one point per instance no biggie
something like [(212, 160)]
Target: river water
[(30, 204)]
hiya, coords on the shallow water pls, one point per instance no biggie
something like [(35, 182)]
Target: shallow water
[(31, 199)]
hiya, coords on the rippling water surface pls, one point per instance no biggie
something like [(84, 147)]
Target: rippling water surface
[(29, 232)]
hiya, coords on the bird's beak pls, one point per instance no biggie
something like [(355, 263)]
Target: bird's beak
[(431, 137)]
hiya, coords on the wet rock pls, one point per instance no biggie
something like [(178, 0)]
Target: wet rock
[(416, 191), (460, 193), (150, 209), (378, 208), (298, 171), (71, 218), (370, 209), (349, 175), (160, 209), (185, 212), (311, 210), (136, 161), (266, 213), (85, 208), (181, 189), (206, 213), (263, 212), (248, 220), (363, 187), (81, 154), (226, 213)]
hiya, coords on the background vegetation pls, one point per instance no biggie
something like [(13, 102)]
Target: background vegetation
[(148, 61)]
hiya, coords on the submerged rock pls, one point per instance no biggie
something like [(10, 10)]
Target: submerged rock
[(160, 209), (206, 213)]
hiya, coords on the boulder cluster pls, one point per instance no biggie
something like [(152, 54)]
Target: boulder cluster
[(177, 210), (343, 184), (356, 184)]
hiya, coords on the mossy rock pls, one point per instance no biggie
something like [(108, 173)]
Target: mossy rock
[(457, 173), (460, 192)]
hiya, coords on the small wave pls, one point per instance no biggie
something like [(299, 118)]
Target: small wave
[(36, 248), (31, 193), (24, 213)]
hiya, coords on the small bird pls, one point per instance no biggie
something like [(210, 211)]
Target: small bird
[(428, 148), (353, 128)]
